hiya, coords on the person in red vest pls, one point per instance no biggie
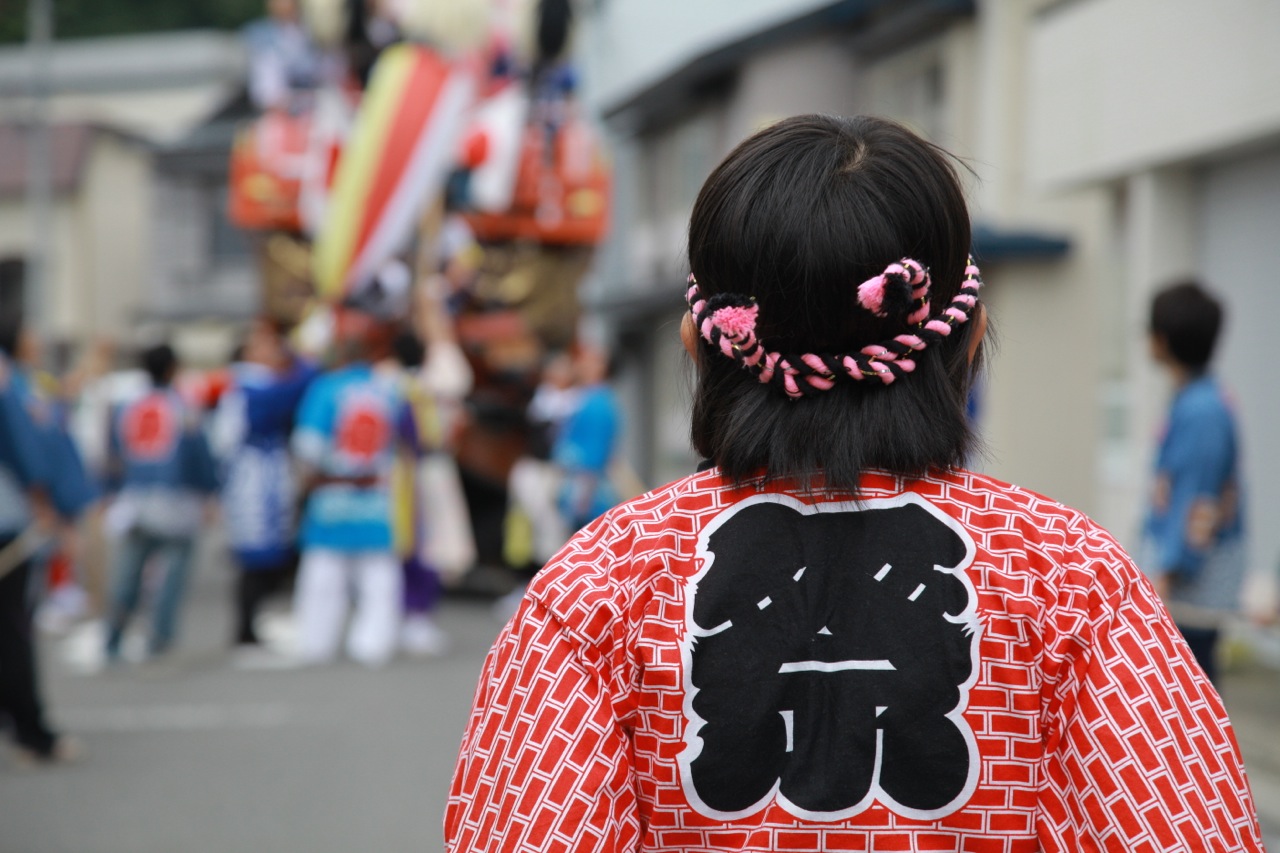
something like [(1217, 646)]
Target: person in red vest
[(837, 635)]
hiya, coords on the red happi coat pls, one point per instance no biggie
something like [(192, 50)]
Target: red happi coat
[(946, 664)]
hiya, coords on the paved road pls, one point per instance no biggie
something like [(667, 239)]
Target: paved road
[(198, 757)]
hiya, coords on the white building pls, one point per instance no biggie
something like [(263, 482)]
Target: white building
[(1116, 144), (141, 127)]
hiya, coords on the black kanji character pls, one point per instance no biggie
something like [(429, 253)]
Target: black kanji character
[(830, 648)]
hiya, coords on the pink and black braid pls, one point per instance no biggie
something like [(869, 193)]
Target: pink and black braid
[(727, 321)]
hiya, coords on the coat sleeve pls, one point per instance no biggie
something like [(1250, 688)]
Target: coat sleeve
[(1139, 751), (545, 764), (19, 440)]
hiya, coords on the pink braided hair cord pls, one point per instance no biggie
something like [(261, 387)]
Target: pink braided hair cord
[(727, 321)]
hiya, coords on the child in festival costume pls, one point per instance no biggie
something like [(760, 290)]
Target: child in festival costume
[(835, 636), (346, 439), (167, 479), (253, 423)]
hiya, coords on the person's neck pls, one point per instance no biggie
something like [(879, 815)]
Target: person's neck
[(1184, 376)]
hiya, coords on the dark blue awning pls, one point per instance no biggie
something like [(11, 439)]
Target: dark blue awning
[(991, 243)]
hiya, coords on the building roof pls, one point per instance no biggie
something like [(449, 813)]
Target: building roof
[(134, 63), (71, 145), (869, 23), (158, 86)]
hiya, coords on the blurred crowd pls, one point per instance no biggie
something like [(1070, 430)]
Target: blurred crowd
[(413, 405), (323, 456)]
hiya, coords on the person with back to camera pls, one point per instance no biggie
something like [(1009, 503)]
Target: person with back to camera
[(1194, 534), (252, 427), (167, 480), (835, 636), (346, 439)]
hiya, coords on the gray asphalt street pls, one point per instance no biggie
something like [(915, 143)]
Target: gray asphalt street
[(195, 756)]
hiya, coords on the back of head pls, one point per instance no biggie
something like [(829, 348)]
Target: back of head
[(408, 349), (797, 216), (11, 328), (361, 337), (1187, 318), (161, 363)]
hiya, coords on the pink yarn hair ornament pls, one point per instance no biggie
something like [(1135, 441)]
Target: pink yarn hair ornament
[(911, 280), (737, 321), (871, 295), (727, 321)]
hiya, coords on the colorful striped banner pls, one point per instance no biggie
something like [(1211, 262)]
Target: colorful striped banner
[(402, 147)]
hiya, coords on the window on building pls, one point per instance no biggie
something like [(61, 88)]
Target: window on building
[(227, 243)]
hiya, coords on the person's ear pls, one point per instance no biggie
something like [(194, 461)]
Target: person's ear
[(979, 329), (689, 335), (1159, 347)]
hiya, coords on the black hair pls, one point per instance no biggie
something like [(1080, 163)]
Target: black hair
[(797, 216), (160, 362), (10, 332), (1187, 318), (408, 349)]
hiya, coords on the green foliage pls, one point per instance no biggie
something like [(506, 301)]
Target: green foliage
[(88, 18)]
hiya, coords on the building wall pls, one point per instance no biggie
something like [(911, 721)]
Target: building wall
[(129, 245), (68, 262), (1124, 85), (628, 44), (816, 75), (98, 250), (115, 228), (157, 86), (1043, 419)]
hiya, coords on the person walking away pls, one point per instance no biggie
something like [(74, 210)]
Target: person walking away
[(836, 636), (346, 441), (252, 426), (1194, 549), (166, 480)]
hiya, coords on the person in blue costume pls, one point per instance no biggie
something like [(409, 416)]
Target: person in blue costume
[(36, 494), (1194, 530), (347, 439), (259, 495), (285, 68), (164, 477), (585, 446)]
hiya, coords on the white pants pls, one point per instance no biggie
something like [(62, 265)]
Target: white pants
[(321, 599)]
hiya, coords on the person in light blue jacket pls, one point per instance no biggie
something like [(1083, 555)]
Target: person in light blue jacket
[(165, 476), (347, 437), (1194, 531)]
